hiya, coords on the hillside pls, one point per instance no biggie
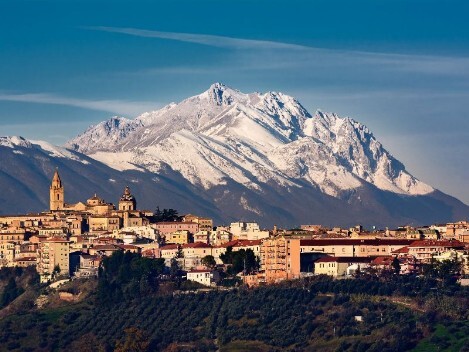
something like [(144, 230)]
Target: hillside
[(301, 316)]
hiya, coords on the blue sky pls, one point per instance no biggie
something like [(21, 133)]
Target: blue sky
[(400, 67)]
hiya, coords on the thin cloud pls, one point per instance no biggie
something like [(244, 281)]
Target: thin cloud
[(204, 39), (124, 107), (294, 55)]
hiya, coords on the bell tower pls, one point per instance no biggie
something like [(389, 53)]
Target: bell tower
[(56, 193), (127, 202)]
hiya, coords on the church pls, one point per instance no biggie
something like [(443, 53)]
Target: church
[(94, 205)]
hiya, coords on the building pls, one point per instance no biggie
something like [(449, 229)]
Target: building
[(204, 277), (280, 259), (57, 201), (205, 224), (53, 253), (425, 250), (179, 237), (337, 266), (455, 228), (102, 224), (94, 205), (173, 226), (353, 247), (247, 231), (127, 202)]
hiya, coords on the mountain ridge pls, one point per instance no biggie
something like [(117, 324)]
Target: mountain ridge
[(235, 156), (225, 120)]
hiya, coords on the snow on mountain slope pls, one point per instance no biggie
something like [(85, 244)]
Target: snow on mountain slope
[(16, 143), (105, 135), (251, 139)]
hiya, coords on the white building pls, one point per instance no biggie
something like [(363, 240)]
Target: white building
[(247, 231), (141, 232), (204, 277)]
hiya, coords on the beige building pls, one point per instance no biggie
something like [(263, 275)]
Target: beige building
[(7, 254), (9, 235), (337, 266), (53, 252), (102, 224), (94, 205), (202, 236), (427, 249), (453, 229), (280, 259), (353, 247), (178, 237), (205, 224), (171, 226)]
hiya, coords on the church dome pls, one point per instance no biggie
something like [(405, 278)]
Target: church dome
[(127, 196)]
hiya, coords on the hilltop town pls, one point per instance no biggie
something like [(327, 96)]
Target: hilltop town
[(71, 240)]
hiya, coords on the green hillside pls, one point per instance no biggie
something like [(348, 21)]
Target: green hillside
[(130, 309)]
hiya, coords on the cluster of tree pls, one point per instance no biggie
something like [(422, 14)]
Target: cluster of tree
[(128, 275), (240, 261), (446, 272), (166, 215), (14, 281), (278, 317), (10, 293)]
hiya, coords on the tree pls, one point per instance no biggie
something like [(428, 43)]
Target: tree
[(174, 268), (241, 261), (135, 341), (180, 253), (166, 215), (208, 261), (10, 293), (56, 271), (227, 257), (396, 265)]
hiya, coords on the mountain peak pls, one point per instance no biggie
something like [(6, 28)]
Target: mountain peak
[(14, 141), (222, 95), (250, 138)]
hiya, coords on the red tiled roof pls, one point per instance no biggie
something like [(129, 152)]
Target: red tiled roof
[(241, 243), (344, 260), (382, 260), (176, 223), (435, 243), (196, 245), (402, 250), (169, 246), (127, 246), (105, 247), (57, 239), (354, 242)]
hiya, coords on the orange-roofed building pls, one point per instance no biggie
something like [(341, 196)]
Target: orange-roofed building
[(424, 250)]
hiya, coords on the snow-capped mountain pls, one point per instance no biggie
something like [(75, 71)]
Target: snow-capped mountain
[(230, 156), (250, 139)]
